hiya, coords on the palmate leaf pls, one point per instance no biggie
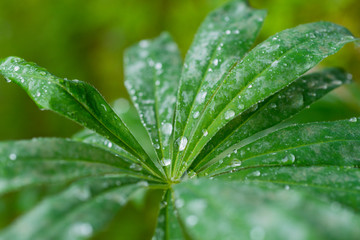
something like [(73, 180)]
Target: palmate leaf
[(277, 108), (75, 100), (152, 70), (261, 177), (213, 209), (268, 68), (78, 212)]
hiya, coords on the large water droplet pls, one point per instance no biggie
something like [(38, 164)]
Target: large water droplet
[(165, 162), (182, 143), (229, 114), (167, 128), (353, 119), (12, 156)]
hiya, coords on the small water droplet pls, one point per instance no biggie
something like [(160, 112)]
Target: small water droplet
[(205, 133), (158, 66), (236, 163), (165, 162), (200, 98), (144, 43), (228, 32), (353, 119), (191, 220), (182, 143), (196, 114), (12, 156), (287, 187), (229, 114), (216, 62), (16, 68), (38, 94), (156, 146), (167, 128)]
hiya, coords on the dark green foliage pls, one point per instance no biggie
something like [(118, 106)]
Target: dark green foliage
[(226, 161)]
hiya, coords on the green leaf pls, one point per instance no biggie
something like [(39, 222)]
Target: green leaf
[(51, 160), (152, 71), (90, 137), (75, 100), (214, 209), (268, 68), (310, 144), (277, 108), (320, 157), (78, 212), (221, 41)]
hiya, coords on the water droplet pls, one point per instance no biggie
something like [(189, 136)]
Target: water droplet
[(210, 70), (272, 105), (12, 156), (229, 114), (157, 83), (38, 94), (236, 163), (109, 144), (16, 68), (144, 43), (250, 86), (228, 32), (216, 62), (353, 119), (196, 114), (167, 128), (275, 63), (241, 106), (205, 133), (289, 158), (287, 187), (182, 143), (256, 173), (156, 146), (81, 229), (158, 66), (191, 220), (143, 184), (165, 162), (200, 98)]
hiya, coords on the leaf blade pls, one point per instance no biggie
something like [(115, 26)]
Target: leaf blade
[(209, 58), (75, 100), (254, 78)]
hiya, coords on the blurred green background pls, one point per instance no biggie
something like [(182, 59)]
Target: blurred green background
[(85, 39)]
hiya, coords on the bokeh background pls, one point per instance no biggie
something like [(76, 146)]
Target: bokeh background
[(85, 39)]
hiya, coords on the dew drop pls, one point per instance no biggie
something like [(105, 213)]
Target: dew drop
[(165, 162), (182, 143), (287, 187), (156, 146), (191, 220), (229, 114), (16, 68), (205, 133), (236, 163), (144, 43), (216, 62), (38, 94), (12, 156), (353, 119), (228, 32), (167, 128), (196, 114), (158, 66), (200, 98)]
